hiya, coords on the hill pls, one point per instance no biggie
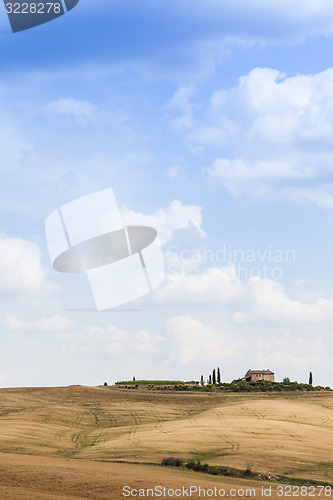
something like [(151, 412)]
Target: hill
[(273, 433)]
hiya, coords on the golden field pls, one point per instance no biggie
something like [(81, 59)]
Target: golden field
[(25, 477), (277, 433)]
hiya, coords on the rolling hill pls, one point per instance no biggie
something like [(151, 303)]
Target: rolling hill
[(275, 433)]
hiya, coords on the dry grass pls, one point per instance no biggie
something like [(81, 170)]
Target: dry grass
[(43, 478), (276, 433)]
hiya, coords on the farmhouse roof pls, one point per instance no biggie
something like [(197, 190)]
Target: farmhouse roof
[(263, 372)]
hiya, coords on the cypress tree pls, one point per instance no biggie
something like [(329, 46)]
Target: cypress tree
[(214, 377), (202, 381), (218, 375), (310, 378), (210, 379)]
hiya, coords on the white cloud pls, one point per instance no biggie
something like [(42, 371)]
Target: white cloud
[(81, 111), (260, 301), (274, 131), (195, 342), (47, 324), (181, 102), (267, 301), (256, 177), (112, 340), (290, 352), (322, 196), (212, 285), (21, 270), (276, 110), (165, 221)]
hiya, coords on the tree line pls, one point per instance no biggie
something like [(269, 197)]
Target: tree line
[(213, 378)]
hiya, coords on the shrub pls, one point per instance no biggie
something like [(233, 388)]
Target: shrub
[(247, 472), (197, 466), (172, 462), (190, 464), (205, 468)]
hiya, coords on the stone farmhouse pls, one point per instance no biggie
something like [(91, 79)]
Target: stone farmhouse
[(258, 375)]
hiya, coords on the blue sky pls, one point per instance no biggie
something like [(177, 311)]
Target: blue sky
[(211, 121)]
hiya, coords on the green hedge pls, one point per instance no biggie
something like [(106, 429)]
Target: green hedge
[(150, 382)]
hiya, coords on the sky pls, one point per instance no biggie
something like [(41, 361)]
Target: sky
[(212, 121)]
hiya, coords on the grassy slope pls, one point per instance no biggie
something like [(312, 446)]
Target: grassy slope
[(277, 433), (45, 478)]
